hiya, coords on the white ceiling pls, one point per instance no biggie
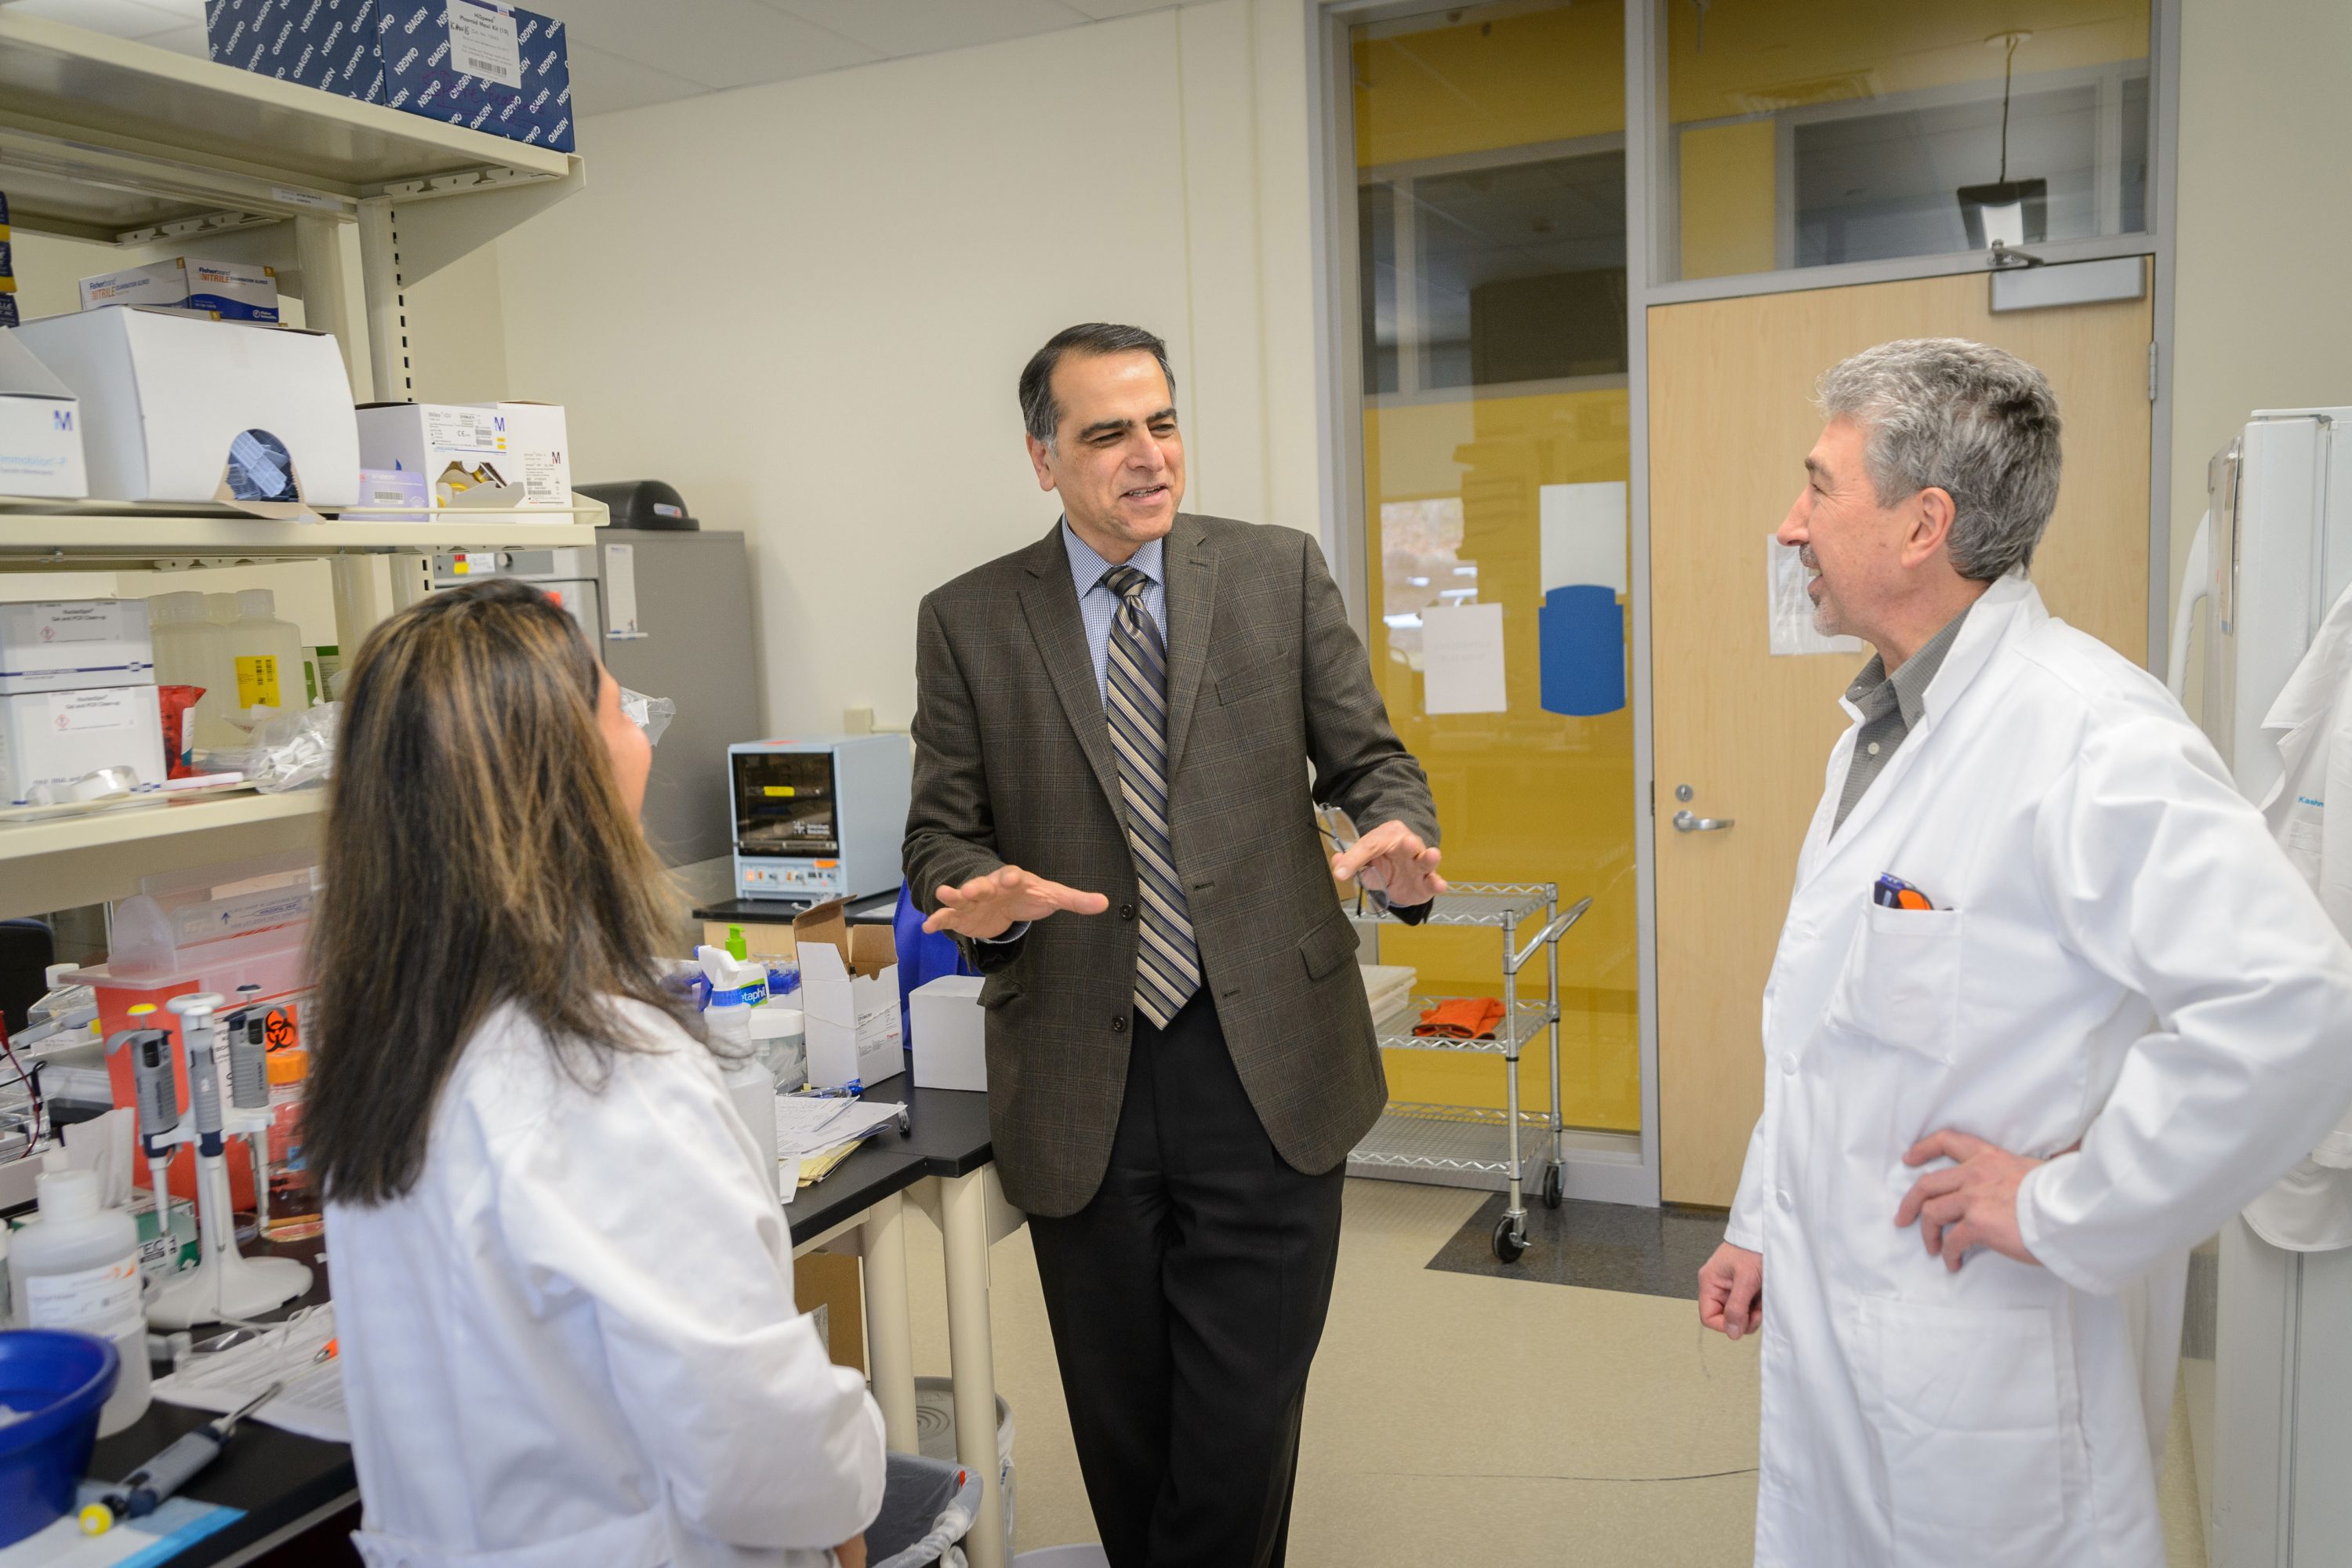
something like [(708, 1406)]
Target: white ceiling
[(626, 54)]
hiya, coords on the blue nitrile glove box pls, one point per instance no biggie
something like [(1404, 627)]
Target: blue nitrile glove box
[(475, 63), (325, 43)]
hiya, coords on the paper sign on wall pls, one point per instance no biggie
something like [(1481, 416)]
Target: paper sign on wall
[(1790, 608), (1462, 659), (1583, 534), (621, 594)]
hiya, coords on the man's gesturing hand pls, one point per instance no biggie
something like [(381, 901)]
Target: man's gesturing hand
[(1392, 861), (1970, 1203), (1731, 1291), (990, 906)]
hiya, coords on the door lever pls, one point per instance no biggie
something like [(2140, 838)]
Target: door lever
[(1688, 822)]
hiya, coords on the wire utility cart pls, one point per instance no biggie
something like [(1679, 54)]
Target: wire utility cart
[(1465, 1146)]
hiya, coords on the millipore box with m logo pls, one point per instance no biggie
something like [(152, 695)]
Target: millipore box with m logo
[(40, 427)]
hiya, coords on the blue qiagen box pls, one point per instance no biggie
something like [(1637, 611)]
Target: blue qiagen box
[(489, 66)]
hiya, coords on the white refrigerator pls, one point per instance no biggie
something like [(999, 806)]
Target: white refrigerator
[(2266, 1354)]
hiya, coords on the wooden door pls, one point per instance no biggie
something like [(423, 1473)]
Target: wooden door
[(1731, 418)]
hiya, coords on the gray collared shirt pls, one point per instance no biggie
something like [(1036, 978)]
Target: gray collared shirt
[(1098, 606), (1891, 708)]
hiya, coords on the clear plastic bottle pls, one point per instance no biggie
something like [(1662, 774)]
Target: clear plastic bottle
[(294, 1212), (213, 731), (267, 655), (77, 1267), (192, 649)]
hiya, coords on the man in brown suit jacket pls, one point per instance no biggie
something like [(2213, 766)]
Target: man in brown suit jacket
[(1120, 734)]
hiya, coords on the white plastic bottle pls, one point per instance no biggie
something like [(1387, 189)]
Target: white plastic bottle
[(266, 654), (77, 1267)]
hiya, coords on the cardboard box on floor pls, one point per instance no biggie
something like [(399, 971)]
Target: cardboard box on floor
[(849, 998)]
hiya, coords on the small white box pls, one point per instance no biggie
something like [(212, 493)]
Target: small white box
[(228, 290), (165, 393), (57, 737), (498, 456), (950, 1034), (40, 427), (65, 645)]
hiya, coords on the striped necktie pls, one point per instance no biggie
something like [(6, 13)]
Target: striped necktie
[(1167, 961)]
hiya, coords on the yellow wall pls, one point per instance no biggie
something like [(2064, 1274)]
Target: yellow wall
[(1526, 794), (1545, 76), (1727, 198), (1771, 54)]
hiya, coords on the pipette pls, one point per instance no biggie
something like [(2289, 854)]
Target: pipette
[(225, 1285), (143, 1491), (155, 1085), (248, 1092)]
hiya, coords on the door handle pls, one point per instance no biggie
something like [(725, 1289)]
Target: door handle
[(1686, 822)]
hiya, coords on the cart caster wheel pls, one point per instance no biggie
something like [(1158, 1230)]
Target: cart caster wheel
[(1554, 1188), (1509, 1246)]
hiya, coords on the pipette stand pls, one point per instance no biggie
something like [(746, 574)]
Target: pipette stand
[(226, 1284)]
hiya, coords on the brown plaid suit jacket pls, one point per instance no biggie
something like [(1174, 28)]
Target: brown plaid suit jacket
[(1013, 765)]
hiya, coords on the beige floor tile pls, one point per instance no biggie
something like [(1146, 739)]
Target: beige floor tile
[(1460, 1420)]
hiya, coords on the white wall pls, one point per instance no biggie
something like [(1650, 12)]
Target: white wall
[(2261, 317), (807, 305)]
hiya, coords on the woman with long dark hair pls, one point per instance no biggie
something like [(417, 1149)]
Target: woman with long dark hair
[(562, 1279)]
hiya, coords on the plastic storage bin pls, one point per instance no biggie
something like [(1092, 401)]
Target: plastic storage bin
[(58, 1382), (928, 1507)]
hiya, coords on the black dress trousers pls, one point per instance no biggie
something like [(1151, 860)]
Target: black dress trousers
[(1186, 1301)]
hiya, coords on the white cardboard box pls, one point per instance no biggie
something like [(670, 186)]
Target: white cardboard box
[(40, 427), (950, 1034), (165, 393), (495, 456), (65, 645), (849, 999), (57, 737), (232, 291)]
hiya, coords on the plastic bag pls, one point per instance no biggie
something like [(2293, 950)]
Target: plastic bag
[(651, 715), (292, 751)]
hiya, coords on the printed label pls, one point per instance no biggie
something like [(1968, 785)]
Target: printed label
[(463, 430), (76, 623), (100, 708), (256, 682), (484, 42), (102, 1301), (542, 472)]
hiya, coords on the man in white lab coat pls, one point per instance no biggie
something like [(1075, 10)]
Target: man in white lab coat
[(2049, 1005)]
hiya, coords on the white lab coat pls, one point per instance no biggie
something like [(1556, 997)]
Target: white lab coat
[(574, 1341), (2310, 1209), (2119, 954)]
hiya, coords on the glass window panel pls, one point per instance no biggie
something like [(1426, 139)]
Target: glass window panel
[(1376, 289), (1808, 132), (1491, 222), (1521, 270), (1871, 186)]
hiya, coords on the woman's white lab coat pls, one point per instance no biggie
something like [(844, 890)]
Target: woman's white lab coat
[(575, 1342), (2118, 954)]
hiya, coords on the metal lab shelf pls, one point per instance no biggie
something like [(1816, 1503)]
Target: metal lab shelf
[(101, 137), (1448, 1146), (1461, 1146), (1396, 1033), (79, 533)]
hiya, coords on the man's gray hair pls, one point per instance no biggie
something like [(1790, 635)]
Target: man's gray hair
[(1039, 413), (1974, 421)]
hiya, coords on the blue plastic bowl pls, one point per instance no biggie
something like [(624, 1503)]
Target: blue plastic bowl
[(57, 1381)]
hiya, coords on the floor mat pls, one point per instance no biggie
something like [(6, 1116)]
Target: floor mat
[(1601, 1247)]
